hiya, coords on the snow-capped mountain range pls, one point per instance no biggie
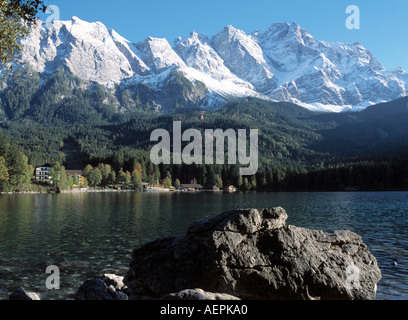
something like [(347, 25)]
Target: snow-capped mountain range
[(283, 62)]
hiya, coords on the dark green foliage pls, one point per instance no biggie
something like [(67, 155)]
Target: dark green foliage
[(21, 89), (299, 149), (15, 172), (16, 19)]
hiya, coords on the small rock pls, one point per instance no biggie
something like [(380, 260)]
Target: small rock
[(114, 280), (96, 289), (21, 294), (112, 289), (198, 294)]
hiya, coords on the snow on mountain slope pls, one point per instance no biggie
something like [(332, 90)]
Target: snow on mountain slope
[(200, 56), (204, 64), (283, 62), (158, 54), (86, 49), (244, 57), (130, 52), (315, 73)]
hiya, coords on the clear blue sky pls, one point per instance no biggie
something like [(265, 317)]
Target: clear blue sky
[(384, 24)]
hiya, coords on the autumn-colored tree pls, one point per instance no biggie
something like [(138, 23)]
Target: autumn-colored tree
[(138, 170)]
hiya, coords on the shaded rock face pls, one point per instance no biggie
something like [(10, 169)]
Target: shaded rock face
[(253, 254)]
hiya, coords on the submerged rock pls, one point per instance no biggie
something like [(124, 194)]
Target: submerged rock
[(253, 254)]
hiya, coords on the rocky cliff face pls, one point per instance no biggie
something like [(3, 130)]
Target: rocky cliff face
[(282, 62), (253, 254)]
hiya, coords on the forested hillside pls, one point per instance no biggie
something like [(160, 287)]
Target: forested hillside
[(298, 148)]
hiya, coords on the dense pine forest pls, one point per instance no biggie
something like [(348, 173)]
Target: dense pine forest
[(62, 121)]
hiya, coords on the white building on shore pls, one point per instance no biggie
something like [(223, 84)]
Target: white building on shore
[(42, 173)]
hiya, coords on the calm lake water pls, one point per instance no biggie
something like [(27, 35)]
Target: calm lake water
[(93, 233)]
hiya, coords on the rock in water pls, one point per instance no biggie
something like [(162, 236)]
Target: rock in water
[(114, 280), (21, 294), (253, 254), (198, 294), (96, 289)]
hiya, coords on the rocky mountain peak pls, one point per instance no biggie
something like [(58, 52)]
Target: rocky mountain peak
[(282, 62), (158, 54)]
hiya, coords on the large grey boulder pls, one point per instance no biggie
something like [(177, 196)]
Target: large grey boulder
[(253, 254)]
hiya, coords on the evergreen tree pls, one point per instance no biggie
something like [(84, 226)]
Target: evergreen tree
[(128, 177), (136, 179), (235, 176), (87, 171), (245, 185), (70, 182), (55, 173), (20, 172), (62, 181), (210, 176), (157, 175), (112, 177), (105, 170), (253, 185), (218, 181), (3, 145), (167, 182), (121, 176), (150, 180), (4, 176)]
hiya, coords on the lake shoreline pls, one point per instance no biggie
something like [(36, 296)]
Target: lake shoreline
[(65, 191), (161, 190)]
